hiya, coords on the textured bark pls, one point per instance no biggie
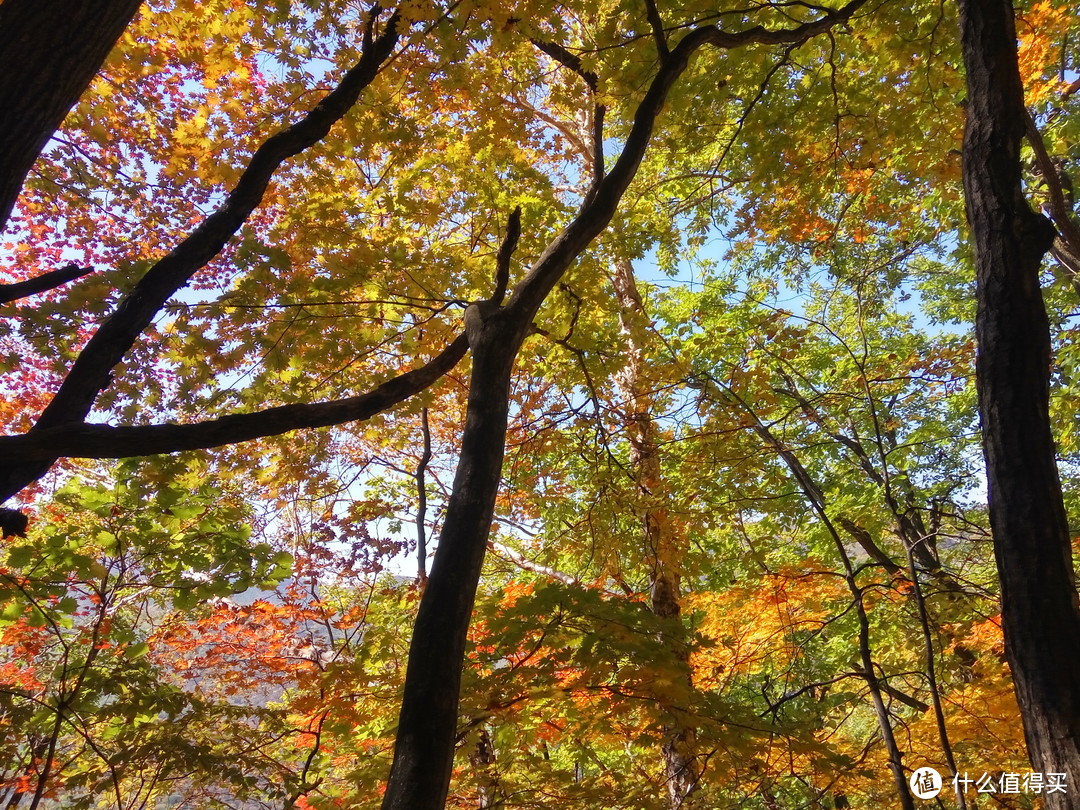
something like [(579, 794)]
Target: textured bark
[(50, 50), (427, 725), (663, 547), (1027, 517)]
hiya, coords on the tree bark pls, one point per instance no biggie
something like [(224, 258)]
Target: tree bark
[(1040, 616), (427, 725), (50, 50)]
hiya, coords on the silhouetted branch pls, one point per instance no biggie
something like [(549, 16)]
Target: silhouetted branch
[(82, 440), (91, 371), (43, 283)]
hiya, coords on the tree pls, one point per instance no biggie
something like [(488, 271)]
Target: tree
[(1040, 612), (345, 177), (90, 698), (69, 406)]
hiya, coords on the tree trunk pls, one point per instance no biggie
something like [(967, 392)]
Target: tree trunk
[(424, 748), (427, 726), (49, 52), (1031, 536), (681, 771)]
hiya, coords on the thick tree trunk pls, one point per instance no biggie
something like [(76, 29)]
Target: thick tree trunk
[(49, 52), (1031, 536), (663, 547), (427, 727)]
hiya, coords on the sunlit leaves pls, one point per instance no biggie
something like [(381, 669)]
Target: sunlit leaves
[(800, 404)]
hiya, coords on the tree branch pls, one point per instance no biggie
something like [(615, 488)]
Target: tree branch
[(82, 440), (506, 252), (421, 499), (598, 209), (1059, 210), (91, 371), (656, 23), (903, 697), (528, 565), (43, 283), (570, 61)]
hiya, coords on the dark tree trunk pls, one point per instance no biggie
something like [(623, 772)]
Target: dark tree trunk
[(1031, 537), (427, 726), (424, 748), (49, 52)]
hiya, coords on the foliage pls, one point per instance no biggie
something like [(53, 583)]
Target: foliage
[(228, 627)]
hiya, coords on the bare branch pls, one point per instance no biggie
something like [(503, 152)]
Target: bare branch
[(528, 565)]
